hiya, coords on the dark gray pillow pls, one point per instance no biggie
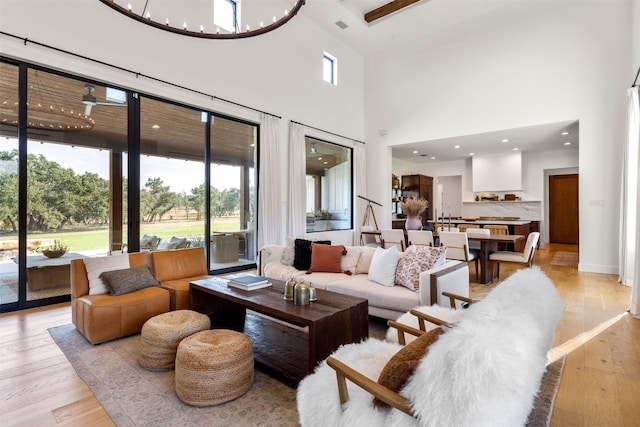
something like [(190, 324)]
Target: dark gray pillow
[(128, 280)]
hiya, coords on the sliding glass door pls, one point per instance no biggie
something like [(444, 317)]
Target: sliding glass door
[(233, 177), (85, 168)]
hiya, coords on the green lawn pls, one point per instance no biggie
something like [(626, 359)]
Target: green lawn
[(98, 238)]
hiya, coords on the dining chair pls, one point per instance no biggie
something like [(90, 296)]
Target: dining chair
[(420, 237), (524, 257), (441, 228), (458, 247), (392, 236), (464, 227), (370, 239), (475, 246), (498, 229)]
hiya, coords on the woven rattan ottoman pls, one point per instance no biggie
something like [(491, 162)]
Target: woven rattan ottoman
[(213, 367), (161, 335)]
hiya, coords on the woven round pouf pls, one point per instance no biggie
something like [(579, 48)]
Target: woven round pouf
[(213, 367), (161, 335)]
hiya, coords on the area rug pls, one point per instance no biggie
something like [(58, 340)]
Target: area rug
[(569, 259), (133, 396)]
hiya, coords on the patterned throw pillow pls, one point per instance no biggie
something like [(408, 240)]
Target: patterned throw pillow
[(326, 258), (128, 280), (416, 259), (403, 364)]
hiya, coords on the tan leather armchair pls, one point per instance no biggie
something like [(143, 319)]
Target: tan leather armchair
[(175, 269), (105, 317)]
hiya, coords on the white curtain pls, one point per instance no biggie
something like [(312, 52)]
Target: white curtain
[(269, 195), (360, 187), (296, 220), (629, 210)]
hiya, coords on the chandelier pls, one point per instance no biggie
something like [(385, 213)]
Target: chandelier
[(142, 12)]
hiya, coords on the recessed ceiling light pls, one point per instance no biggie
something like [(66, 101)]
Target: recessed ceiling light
[(471, 154), (433, 157), (456, 146), (415, 151), (325, 163), (319, 158), (515, 148), (565, 133), (567, 143), (505, 140), (156, 127)]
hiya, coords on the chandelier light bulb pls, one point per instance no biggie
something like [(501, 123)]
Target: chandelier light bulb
[(125, 7)]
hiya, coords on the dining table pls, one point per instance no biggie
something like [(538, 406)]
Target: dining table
[(488, 245)]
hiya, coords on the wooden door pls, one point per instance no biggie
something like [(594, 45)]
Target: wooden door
[(563, 209)]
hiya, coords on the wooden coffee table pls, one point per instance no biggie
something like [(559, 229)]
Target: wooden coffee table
[(288, 340)]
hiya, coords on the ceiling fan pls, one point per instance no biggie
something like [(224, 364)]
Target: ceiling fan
[(89, 100)]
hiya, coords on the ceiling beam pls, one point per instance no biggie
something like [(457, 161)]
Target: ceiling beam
[(387, 9)]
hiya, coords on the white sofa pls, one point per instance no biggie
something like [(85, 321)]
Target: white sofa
[(384, 302)]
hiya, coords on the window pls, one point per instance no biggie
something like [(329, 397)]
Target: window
[(329, 186), (225, 14), (329, 68)]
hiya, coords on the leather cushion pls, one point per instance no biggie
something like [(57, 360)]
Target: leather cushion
[(403, 364), (128, 280), (302, 248), (326, 258)]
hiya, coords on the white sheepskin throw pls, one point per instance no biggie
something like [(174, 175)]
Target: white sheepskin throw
[(485, 371), (317, 396), (449, 315)]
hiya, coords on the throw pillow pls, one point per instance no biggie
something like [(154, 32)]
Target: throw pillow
[(128, 280), (416, 259), (326, 258), (350, 260), (403, 364), (96, 266), (383, 266), (289, 252), (364, 262), (302, 259)]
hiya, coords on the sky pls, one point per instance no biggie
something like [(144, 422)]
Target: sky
[(180, 175)]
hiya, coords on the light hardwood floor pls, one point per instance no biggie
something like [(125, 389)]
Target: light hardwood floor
[(600, 383)]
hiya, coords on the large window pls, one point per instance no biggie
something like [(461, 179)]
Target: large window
[(329, 186), (233, 192), (172, 177), (87, 177)]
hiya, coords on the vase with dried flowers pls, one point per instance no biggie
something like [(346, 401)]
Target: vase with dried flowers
[(413, 207)]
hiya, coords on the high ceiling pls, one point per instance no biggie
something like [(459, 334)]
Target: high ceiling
[(426, 20), (433, 23)]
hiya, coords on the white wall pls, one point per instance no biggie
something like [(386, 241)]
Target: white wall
[(530, 63), (279, 72)]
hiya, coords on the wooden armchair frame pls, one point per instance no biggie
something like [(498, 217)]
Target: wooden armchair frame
[(344, 372)]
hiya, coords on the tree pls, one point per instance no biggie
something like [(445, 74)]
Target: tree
[(158, 200)]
